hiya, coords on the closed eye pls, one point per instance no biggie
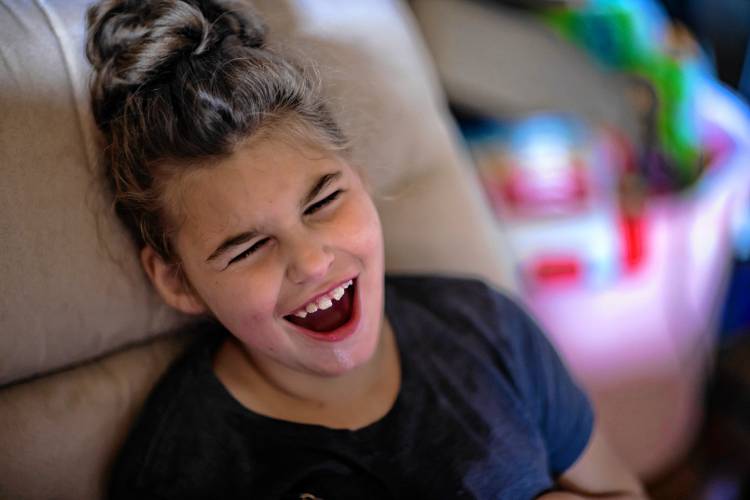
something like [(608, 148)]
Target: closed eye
[(322, 203), (252, 249)]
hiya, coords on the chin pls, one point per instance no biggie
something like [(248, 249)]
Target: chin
[(342, 361)]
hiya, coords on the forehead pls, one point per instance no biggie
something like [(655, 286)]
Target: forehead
[(258, 165), (258, 180)]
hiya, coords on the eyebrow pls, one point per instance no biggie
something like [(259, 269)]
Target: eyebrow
[(323, 181), (238, 239)]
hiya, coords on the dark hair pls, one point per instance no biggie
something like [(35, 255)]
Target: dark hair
[(179, 82)]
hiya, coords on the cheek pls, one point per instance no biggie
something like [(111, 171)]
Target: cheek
[(252, 321), (361, 227), (247, 300)]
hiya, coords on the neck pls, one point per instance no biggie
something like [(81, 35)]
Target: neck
[(351, 400)]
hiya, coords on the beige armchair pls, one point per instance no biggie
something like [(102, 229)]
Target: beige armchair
[(81, 333)]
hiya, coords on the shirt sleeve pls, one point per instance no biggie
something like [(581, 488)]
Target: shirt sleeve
[(556, 403)]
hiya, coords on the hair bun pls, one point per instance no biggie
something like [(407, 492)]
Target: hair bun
[(130, 41)]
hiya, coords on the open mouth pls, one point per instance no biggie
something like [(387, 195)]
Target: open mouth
[(328, 313)]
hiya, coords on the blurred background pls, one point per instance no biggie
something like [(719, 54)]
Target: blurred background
[(612, 141), (611, 173)]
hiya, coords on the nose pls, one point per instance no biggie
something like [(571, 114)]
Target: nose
[(308, 259)]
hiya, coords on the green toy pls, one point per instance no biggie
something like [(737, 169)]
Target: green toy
[(635, 36)]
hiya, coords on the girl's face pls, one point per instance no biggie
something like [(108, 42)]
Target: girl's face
[(272, 233)]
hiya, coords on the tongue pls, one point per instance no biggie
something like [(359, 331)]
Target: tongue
[(329, 319)]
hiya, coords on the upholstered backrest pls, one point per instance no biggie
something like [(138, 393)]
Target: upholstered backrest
[(71, 291), (521, 65), (71, 287)]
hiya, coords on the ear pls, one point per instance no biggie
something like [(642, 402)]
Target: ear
[(170, 284)]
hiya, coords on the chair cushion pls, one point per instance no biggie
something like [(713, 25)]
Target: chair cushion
[(59, 434)]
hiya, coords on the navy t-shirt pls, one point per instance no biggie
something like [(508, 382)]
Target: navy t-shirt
[(485, 410)]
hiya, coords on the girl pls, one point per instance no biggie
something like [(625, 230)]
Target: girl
[(314, 376)]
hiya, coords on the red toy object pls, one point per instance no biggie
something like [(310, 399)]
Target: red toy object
[(557, 269), (556, 185)]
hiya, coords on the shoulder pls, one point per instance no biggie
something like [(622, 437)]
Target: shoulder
[(185, 381), (465, 301), (472, 326), (445, 290), (482, 318), (439, 283), (465, 320), (174, 436)]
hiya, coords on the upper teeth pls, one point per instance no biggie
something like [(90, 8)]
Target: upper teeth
[(324, 301)]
